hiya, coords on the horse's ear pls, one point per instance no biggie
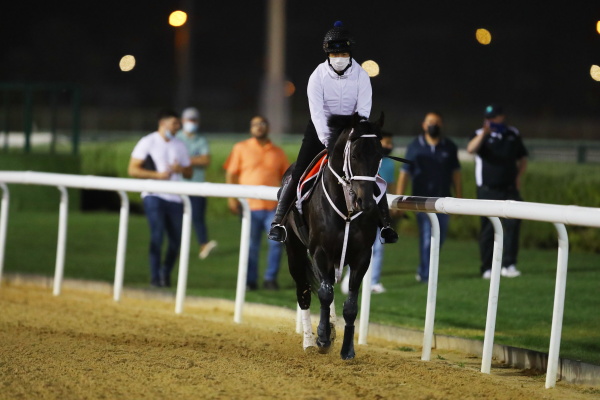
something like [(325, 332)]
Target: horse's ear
[(381, 120)]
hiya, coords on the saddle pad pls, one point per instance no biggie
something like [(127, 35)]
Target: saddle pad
[(312, 172), (306, 184)]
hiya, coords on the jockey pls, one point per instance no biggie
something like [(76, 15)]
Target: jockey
[(338, 86)]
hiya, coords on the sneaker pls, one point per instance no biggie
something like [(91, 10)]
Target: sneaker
[(345, 284), (206, 249), (419, 278), (510, 272), (270, 285), (377, 288), (251, 286), (487, 274)]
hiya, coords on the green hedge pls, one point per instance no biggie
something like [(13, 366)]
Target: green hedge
[(40, 198), (564, 184), (553, 183)]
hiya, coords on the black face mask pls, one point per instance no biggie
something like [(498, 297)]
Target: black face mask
[(434, 131), (386, 151)]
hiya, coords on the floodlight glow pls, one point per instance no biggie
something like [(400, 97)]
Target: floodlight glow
[(289, 89), (595, 72), (177, 18), (371, 67), (598, 27), (127, 63), (483, 36)]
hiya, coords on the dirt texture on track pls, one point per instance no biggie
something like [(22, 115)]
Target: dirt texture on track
[(83, 345)]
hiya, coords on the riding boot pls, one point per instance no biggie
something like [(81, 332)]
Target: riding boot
[(286, 197), (388, 234)]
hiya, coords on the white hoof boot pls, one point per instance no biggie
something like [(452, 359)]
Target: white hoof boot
[(309, 341)]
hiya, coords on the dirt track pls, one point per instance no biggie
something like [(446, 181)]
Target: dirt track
[(82, 345)]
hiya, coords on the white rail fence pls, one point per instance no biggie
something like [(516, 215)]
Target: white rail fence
[(557, 214)]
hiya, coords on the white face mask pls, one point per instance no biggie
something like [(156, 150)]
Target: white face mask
[(189, 126), (339, 63), (168, 134)]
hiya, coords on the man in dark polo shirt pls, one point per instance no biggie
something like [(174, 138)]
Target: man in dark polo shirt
[(434, 172), (500, 162)]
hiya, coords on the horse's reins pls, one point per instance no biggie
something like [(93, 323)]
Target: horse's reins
[(345, 181)]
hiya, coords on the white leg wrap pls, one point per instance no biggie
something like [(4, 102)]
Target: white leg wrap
[(309, 339), (332, 313)]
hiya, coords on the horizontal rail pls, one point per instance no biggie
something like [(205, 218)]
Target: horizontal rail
[(568, 215)]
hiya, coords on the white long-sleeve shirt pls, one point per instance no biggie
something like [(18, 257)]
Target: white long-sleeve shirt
[(333, 94)]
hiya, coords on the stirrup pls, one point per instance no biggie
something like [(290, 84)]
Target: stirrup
[(278, 233), (388, 235)]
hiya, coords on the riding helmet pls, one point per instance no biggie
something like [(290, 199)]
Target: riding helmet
[(338, 39)]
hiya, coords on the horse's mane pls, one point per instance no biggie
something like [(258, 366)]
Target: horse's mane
[(338, 123)]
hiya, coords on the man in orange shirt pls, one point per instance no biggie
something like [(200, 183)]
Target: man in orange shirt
[(257, 161)]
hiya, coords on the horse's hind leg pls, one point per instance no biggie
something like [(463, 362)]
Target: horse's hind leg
[(298, 264)]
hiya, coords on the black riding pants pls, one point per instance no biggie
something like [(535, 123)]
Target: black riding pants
[(511, 228), (311, 146)]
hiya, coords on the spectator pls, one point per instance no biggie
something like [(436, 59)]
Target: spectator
[(435, 171), (199, 153), (339, 85), (257, 161), (386, 171), (160, 155), (500, 162)]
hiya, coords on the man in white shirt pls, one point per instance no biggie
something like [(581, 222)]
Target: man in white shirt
[(338, 86), (160, 155)]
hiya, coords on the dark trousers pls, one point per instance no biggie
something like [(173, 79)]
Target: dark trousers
[(311, 146), (198, 219), (163, 216), (511, 228)]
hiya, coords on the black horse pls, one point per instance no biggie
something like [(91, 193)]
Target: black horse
[(337, 226)]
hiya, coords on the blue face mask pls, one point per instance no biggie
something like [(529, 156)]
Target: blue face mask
[(168, 134), (496, 127)]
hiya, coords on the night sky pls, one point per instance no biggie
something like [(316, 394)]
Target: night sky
[(537, 64)]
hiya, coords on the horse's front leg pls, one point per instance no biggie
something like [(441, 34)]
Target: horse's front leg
[(351, 309), (324, 329)]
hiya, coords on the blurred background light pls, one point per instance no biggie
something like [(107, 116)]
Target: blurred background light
[(127, 63), (289, 88), (598, 26), (371, 67), (483, 36), (595, 72), (177, 18)]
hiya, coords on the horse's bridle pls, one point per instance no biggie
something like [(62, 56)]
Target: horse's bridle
[(347, 179)]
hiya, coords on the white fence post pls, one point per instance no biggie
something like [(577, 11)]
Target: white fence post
[(240, 292), (184, 255), (434, 258), (121, 246), (3, 224), (559, 305), (59, 270), (365, 303), (490, 322)]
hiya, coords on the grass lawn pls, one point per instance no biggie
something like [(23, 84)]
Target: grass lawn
[(525, 303)]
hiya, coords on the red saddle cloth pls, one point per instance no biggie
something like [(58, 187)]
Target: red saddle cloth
[(311, 173)]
